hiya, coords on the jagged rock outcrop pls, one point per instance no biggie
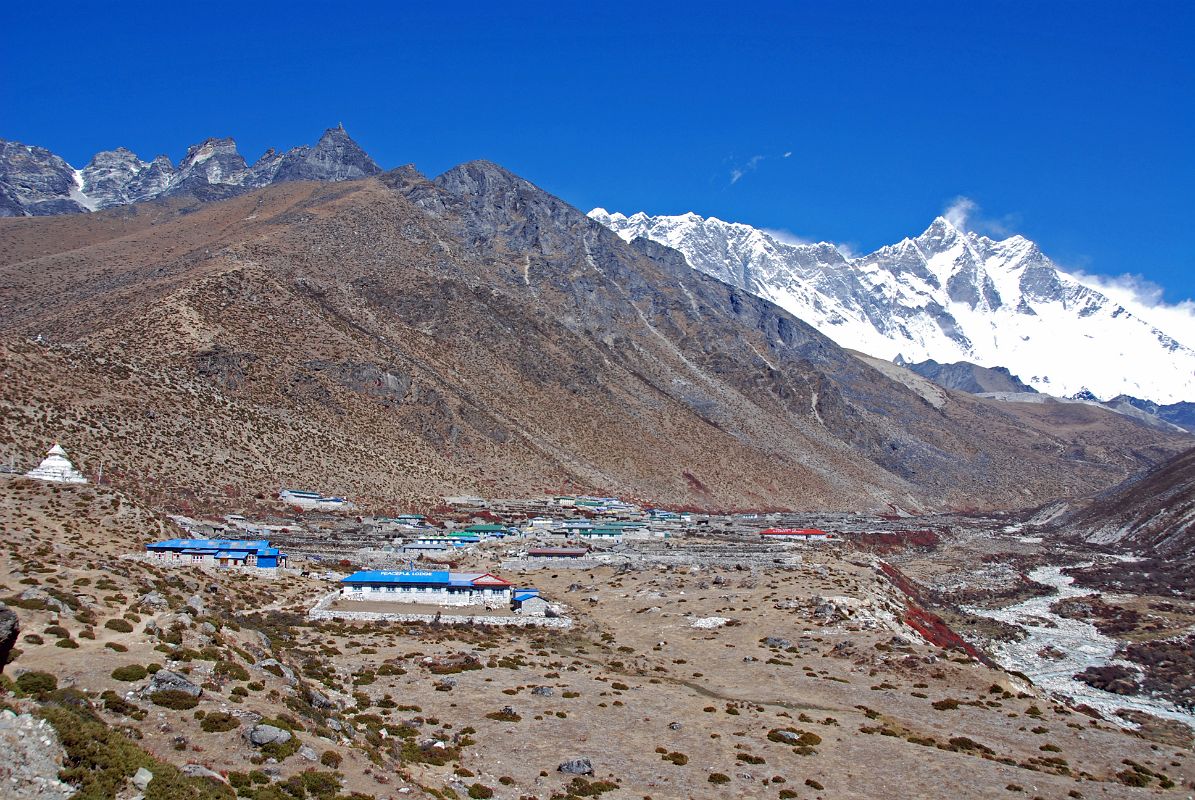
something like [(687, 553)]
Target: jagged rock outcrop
[(967, 377), (35, 182)]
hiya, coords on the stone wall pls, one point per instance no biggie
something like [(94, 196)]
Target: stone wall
[(322, 611)]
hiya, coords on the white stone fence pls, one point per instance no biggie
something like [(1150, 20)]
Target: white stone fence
[(322, 611)]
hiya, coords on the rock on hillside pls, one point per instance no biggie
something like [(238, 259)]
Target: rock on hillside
[(400, 338)]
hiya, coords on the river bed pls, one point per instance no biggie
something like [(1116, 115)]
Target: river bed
[(1077, 645)]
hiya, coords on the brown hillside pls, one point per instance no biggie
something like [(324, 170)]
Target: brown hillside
[(398, 339)]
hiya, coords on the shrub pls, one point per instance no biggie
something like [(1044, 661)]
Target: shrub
[(679, 759), (281, 750), (36, 684), (718, 778), (218, 722), (949, 704), (812, 784), (99, 761), (480, 791), (33, 638), (119, 625), (133, 672), (330, 758), (57, 630), (118, 705), (505, 715), (175, 699), (231, 670), (69, 644)]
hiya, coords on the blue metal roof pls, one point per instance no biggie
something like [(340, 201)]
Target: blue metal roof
[(525, 594), (414, 578), (437, 577), (237, 555)]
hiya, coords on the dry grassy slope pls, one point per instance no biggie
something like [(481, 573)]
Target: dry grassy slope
[(1152, 514), (400, 339)]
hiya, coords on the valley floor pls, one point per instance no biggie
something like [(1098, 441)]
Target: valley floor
[(695, 668)]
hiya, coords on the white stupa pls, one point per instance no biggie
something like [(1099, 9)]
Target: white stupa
[(56, 467)]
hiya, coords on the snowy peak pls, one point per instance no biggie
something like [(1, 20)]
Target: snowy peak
[(34, 181), (947, 294)]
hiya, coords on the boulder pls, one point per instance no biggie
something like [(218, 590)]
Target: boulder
[(276, 667), (10, 629), (543, 691), (165, 679), (576, 766), (31, 759), (34, 593), (154, 600), (200, 771), (777, 641), (320, 700), (261, 735), (308, 754), (196, 602), (142, 778)]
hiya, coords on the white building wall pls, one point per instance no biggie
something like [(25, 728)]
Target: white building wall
[(490, 598)]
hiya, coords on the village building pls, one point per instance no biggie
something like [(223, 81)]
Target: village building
[(484, 531), (439, 587), (552, 553), (529, 603), (455, 539), (609, 532), (312, 501), (794, 534), (254, 553), (56, 468)]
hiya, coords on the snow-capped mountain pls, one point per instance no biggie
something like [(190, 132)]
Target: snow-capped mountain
[(948, 295), (36, 182)]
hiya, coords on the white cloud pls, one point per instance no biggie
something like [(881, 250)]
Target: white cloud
[(1145, 299), (959, 211), (964, 214), (785, 236), (738, 171)]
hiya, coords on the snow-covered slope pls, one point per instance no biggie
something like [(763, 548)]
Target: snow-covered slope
[(948, 295)]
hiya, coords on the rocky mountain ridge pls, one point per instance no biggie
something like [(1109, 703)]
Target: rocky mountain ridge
[(402, 338), (948, 295), (968, 377), (36, 182)]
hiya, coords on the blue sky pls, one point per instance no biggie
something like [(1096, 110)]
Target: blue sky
[(1070, 122)]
